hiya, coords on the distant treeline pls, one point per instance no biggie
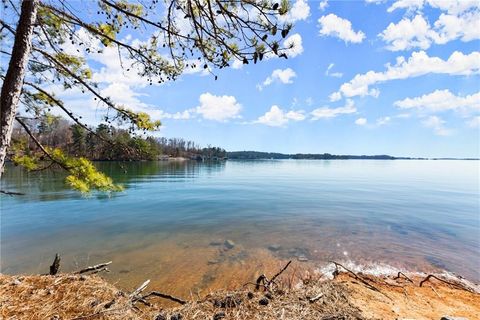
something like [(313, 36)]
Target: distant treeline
[(106, 142), (255, 155)]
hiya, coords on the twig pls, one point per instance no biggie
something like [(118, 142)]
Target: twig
[(137, 291), (93, 268), (279, 273), (55, 265), (261, 282), (402, 274), (12, 193), (317, 297), (456, 285), (164, 296), (358, 278)]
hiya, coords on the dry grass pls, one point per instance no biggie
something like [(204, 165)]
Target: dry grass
[(62, 297), (67, 296)]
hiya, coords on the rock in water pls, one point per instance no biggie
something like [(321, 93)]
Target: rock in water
[(229, 244), (302, 258), (274, 247)]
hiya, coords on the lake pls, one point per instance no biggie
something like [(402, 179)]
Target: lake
[(170, 223)]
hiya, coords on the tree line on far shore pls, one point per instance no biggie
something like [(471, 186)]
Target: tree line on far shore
[(105, 142)]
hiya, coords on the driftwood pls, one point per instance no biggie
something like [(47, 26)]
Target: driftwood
[(137, 291), (12, 193), (356, 276), (279, 273), (55, 265), (135, 295), (402, 274), (453, 284), (317, 297), (94, 268), (262, 280), (164, 296)]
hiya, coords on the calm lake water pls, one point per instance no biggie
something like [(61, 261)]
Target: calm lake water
[(166, 226)]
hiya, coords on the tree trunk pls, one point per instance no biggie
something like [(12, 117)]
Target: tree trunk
[(12, 85)]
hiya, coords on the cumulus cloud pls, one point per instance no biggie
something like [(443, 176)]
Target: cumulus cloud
[(293, 45), (300, 10), (361, 121), (218, 108), (383, 121), (323, 5), (418, 64), (474, 122), (284, 76), (334, 26), (418, 33), (441, 100), (276, 117), (438, 126), (327, 112), (450, 6), (332, 74)]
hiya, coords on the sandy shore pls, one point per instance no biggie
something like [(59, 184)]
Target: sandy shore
[(293, 295)]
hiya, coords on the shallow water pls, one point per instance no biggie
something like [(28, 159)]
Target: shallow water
[(414, 215)]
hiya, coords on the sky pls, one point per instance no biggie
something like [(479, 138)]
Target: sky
[(364, 77)]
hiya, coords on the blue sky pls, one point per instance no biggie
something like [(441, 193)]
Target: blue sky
[(364, 77)]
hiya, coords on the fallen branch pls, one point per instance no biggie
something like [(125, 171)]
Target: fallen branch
[(456, 285), (402, 274), (55, 265), (368, 285), (164, 296), (93, 268), (317, 297), (12, 193), (137, 291), (279, 273), (261, 281)]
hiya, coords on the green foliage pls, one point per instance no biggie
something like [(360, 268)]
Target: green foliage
[(284, 7), (75, 64), (28, 162), (139, 120), (83, 176)]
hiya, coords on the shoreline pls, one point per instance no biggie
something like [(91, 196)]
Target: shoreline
[(290, 294)]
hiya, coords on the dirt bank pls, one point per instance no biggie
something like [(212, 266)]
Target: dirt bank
[(290, 296)]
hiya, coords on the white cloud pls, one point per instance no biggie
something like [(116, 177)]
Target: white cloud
[(323, 5), (438, 126), (474, 122), (237, 64), (293, 45), (407, 34), (450, 6), (327, 112), (218, 108), (278, 75), (276, 117), (361, 121), (417, 32), (334, 26), (441, 100), (383, 121), (332, 74), (418, 64), (300, 10)]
